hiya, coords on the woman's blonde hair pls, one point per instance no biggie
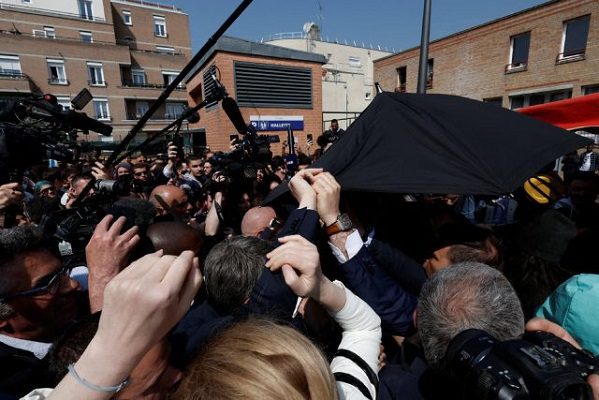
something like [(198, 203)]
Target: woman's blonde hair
[(259, 359)]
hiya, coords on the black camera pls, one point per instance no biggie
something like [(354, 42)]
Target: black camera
[(538, 366)]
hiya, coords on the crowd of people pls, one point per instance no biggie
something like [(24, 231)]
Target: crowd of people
[(171, 279)]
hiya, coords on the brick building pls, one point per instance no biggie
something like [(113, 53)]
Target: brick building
[(545, 53), (124, 52), (274, 87)]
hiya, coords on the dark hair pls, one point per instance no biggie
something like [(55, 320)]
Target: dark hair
[(232, 269), (194, 158), (334, 120), (277, 162)]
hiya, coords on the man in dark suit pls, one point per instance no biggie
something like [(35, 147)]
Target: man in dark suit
[(37, 300)]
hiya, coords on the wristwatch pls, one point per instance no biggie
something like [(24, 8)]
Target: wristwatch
[(342, 224)]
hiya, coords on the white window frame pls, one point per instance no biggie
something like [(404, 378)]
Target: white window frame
[(65, 102), (354, 61), (88, 34), (165, 50), (59, 65), (138, 72), (86, 9), (101, 116), (159, 22), (173, 74), (12, 61), (95, 66), (127, 19), (510, 60), (563, 43)]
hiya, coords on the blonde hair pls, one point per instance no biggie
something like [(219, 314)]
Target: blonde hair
[(259, 359)]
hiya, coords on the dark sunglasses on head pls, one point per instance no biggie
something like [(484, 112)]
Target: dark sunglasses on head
[(47, 285)]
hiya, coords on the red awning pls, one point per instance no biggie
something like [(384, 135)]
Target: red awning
[(572, 114)]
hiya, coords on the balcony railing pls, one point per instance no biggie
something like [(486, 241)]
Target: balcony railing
[(569, 56), (155, 117), (52, 13), (13, 75), (58, 81), (146, 85)]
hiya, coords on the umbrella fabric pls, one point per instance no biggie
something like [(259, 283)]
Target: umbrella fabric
[(577, 113), (412, 143)]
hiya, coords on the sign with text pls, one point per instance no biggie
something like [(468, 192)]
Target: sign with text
[(277, 122)]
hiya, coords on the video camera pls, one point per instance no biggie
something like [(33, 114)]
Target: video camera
[(538, 366)]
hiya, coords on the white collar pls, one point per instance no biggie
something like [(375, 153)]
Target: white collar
[(39, 349)]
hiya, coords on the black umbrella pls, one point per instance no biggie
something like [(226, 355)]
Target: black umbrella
[(434, 143)]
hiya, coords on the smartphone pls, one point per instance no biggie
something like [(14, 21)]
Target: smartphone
[(309, 138), (233, 138)]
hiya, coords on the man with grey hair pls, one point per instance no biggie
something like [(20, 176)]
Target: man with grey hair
[(465, 296), (37, 300), (469, 295)]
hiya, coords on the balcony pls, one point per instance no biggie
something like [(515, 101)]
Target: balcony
[(51, 13), (13, 74), (156, 117), (58, 81), (146, 85)]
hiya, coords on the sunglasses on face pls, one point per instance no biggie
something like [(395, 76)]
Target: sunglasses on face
[(47, 285)]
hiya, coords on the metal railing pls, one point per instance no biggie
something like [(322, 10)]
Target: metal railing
[(58, 81), (516, 67), (52, 13), (572, 55), (155, 117), (146, 85), (13, 75), (302, 35)]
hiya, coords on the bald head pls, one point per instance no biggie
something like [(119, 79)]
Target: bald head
[(174, 237), (256, 220), (169, 199)]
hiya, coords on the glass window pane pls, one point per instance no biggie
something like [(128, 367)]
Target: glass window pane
[(520, 47), (576, 36)]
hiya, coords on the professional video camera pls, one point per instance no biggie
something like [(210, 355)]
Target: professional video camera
[(36, 128), (539, 366)]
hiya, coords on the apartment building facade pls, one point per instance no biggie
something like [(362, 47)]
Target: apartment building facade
[(347, 77), (124, 52), (545, 53)]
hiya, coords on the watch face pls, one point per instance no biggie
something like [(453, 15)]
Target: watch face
[(345, 222)]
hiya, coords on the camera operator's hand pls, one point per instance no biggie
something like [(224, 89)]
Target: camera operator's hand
[(328, 192), (100, 172), (301, 189), (106, 254), (10, 193), (141, 305), (299, 261), (540, 324)]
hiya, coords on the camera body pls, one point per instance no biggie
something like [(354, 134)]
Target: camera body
[(538, 366)]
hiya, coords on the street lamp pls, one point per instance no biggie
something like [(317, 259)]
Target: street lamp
[(426, 33)]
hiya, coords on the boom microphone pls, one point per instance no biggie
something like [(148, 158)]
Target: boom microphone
[(232, 109)]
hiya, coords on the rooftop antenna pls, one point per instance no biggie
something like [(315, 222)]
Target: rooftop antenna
[(320, 15)]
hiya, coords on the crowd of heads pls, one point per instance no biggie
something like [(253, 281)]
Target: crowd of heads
[(429, 266)]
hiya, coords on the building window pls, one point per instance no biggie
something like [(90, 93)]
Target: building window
[(574, 37), (590, 89), (48, 32), (496, 101), (86, 37), (533, 99), (165, 49), (86, 9), (127, 17), (519, 47), (196, 94), (169, 76), (57, 72), (174, 110), (64, 101), (26, 1), (101, 109), (267, 85), (96, 74), (138, 77), (402, 77), (141, 107), (10, 67), (430, 65), (354, 62), (159, 26)]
